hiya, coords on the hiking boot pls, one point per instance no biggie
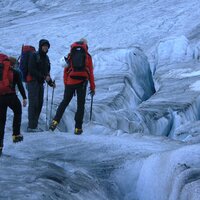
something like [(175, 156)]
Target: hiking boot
[(78, 131), (34, 130), (17, 138), (53, 125)]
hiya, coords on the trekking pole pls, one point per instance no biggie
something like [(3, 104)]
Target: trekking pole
[(47, 101), (91, 106), (19, 58), (52, 101)]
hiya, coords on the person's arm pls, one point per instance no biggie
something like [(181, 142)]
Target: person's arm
[(20, 84), (91, 75), (48, 78)]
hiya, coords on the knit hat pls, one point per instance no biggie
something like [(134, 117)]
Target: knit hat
[(43, 42), (84, 40)]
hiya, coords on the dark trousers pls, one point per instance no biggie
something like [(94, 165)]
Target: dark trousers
[(35, 98), (80, 91), (11, 101)]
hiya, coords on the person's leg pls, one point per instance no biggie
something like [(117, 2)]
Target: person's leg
[(15, 105), (33, 96), (81, 93), (3, 110), (68, 94)]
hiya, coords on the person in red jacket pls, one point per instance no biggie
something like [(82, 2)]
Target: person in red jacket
[(78, 72), (9, 98)]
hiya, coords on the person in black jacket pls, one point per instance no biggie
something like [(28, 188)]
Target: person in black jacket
[(39, 72), (10, 99)]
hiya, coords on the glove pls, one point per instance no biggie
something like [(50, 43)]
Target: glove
[(92, 92), (52, 84)]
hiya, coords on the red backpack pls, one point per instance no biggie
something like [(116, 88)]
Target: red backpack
[(77, 61), (27, 50), (6, 75)]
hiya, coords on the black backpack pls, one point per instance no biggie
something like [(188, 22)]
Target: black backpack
[(78, 56)]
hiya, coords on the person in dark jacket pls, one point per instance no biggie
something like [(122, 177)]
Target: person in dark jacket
[(9, 99), (38, 73), (76, 82)]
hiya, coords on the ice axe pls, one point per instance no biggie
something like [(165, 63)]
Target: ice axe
[(52, 100), (47, 102)]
